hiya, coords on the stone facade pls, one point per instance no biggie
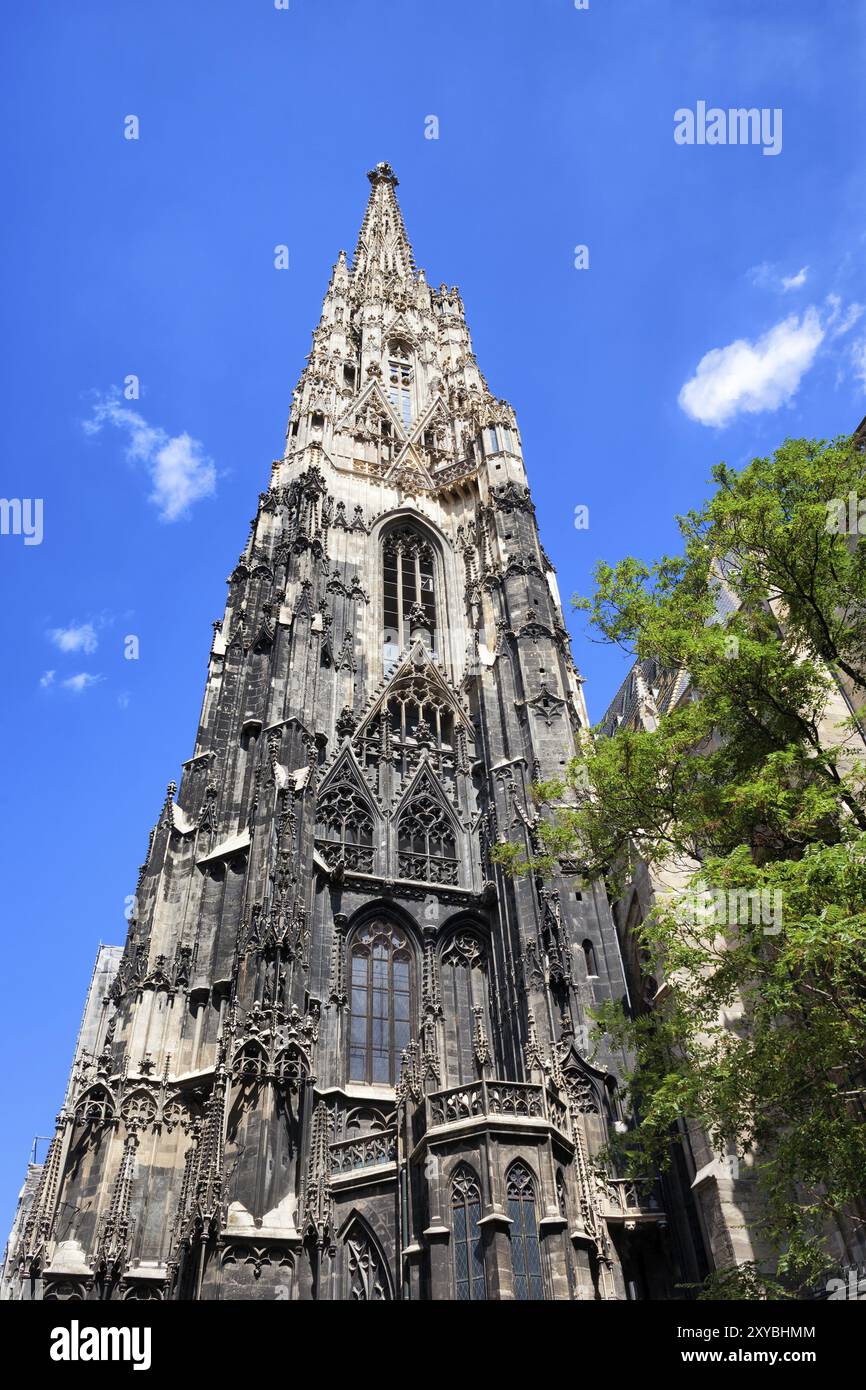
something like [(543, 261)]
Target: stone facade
[(343, 1056)]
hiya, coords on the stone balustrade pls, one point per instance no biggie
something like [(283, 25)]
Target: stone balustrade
[(365, 1151), (493, 1099)]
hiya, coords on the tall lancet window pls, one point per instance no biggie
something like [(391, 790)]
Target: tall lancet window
[(464, 1000), (523, 1233), (409, 599), (470, 1281), (381, 1018), (401, 376)]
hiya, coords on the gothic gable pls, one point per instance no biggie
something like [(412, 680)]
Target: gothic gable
[(415, 675), (398, 329), (409, 472), (435, 414), (346, 817), (367, 409), (345, 771), (425, 788)]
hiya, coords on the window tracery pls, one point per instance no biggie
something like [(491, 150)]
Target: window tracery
[(366, 1276), (382, 984), (525, 1248), (463, 982), (344, 827), (401, 376), (470, 1280), (409, 602), (426, 847)]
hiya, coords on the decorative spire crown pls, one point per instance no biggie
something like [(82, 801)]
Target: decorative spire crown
[(383, 173), (383, 245)]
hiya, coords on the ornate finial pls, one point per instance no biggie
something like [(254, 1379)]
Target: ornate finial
[(167, 817), (383, 173)]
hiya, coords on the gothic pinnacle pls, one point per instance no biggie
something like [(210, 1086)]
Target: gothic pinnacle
[(383, 245)]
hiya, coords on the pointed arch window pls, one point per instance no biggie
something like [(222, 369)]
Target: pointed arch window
[(426, 847), (344, 828), (365, 1273), (382, 975), (470, 1279), (409, 597), (401, 376), (525, 1249), (463, 977)]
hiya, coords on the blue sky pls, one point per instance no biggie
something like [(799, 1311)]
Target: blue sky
[(720, 312)]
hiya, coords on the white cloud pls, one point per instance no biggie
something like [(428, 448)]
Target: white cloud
[(793, 282), (838, 321), (78, 684), (181, 474), (80, 637), (123, 700), (768, 276), (750, 377), (858, 354), (46, 679)]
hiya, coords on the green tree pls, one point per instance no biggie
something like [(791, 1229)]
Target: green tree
[(759, 1035)]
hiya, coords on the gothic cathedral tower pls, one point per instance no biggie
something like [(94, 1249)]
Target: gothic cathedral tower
[(343, 1056)]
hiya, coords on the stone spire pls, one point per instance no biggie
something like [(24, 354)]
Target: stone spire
[(383, 245), (301, 1129)]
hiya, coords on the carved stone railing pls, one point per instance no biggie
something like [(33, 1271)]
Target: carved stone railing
[(357, 859), (632, 1199), (431, 868), (515, 1099), (366, 1151)]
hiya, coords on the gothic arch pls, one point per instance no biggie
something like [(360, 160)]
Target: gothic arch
[(467, 1248), (411, 596), (400, 367), (584, 1084), (382, 907), (365, 1273), (364, 1119), (590, 958), (250, 1062), (453, 635), (95, 1105), (464, 981), (428, 839), (382, 970), (139, 1108), (347, 817), (522, 1192)]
